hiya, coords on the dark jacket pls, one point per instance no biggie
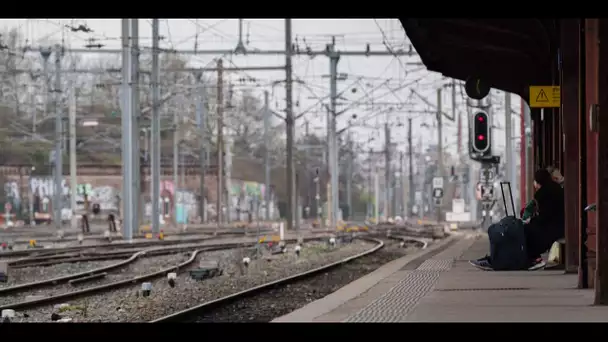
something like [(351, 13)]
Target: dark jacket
[(550, 220)]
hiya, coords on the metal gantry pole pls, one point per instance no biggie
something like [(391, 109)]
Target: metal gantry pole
[(58, 160), (73, 180), (349, 176), (155, 126), (175, 164), (45, 53), (440, 169), (289, 124), (228, 178), (138, 196), (266, 156), (201, 110), (376, 196), (387, 170), (410, 154), (334, 58), (220, 141), (402, 193), (127, 139)]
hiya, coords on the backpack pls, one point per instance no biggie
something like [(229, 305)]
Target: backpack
[(507, 239)]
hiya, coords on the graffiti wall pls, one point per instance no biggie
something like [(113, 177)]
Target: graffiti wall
[(12, 195), (104, 195), (181, 203), (246, 198), (43, 191)]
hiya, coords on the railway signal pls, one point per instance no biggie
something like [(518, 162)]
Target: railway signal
[(481, 132)]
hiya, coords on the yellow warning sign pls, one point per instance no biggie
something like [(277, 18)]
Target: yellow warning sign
[(545, 96)]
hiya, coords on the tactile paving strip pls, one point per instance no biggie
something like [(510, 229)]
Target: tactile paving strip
[(402, 298), (435, 265), (395, 304), (486, 289)]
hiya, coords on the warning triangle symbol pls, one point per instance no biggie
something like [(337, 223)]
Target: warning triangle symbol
[(542, 97)]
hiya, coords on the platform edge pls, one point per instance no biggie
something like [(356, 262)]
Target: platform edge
[(357, 287)]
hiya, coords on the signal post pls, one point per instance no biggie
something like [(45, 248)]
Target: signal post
[(480, 149)]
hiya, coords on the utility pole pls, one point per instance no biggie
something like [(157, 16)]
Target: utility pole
[(176, 155), (202, 119), (334, 58), (45, 53), (410, 157), (137, 171), (318, 196), (155, 126), (73, 180), (297, 200), (289, 124), (127, 137), (387, 169), (376, 195), (228, 177), (349, 174), (439, 148), (370, 186), (57, 205), (220, 141), (459, 119), (402, 185), (266, 156)]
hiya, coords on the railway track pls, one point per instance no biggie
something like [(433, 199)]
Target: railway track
[(193, 250), (86, 256), (194, 313), (51, 234), (112, 245), (273, 299)]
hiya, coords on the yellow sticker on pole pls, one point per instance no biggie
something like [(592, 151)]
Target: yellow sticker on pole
[(545, 96)]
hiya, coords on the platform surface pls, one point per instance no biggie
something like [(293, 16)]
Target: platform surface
[(446, 288)]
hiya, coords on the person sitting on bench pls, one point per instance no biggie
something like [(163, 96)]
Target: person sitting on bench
[(543, 221), (548, 225)]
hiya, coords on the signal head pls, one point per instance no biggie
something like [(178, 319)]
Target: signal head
[(481, 132)]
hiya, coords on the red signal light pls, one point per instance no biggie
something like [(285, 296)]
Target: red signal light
[(480, 118), (481, 137)]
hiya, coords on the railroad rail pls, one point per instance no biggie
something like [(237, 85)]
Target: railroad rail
[(204, 307), (27, 252), (118, 284), (73, 236), (403, 238), (58, 280)]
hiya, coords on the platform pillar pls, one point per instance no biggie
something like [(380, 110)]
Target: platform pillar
[(601, 276), (569, 113)]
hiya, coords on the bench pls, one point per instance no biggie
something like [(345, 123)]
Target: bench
[(561, 264)]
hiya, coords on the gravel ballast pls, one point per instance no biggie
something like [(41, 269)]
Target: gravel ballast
[(141, 266), (127, 305), (274, 303)]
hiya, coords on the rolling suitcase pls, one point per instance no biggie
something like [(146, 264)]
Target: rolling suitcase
[(507, 237)]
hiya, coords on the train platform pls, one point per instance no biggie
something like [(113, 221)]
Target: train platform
[(439, 285)]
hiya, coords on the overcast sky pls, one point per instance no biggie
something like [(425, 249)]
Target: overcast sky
[(400, 75)]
